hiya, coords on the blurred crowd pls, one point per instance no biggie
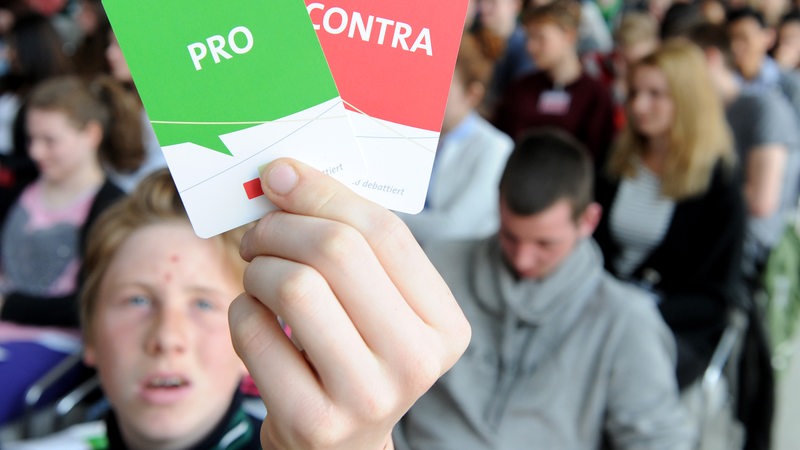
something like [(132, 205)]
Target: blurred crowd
[(682, 119)]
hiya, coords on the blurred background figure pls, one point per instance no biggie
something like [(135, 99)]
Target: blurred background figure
[(676, 223), (462, 194), (75, 129), (35, 53), (502, 39), (751, 39), (94, 35), (594, 35), (560, 93), (154, 158), (787, 48)]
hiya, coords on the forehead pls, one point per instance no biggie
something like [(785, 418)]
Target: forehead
[(649, 75), (637, 50), (49, 117), (498, 2), (170, 246), (551, 223), (790, 27), (543, 24), (745, 25)]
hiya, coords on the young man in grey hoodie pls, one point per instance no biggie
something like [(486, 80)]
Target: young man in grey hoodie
[(562, 356)]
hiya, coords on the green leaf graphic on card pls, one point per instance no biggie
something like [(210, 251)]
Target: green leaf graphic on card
[(204, 68)]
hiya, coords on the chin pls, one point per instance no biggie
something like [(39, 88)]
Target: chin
[(161, 429)]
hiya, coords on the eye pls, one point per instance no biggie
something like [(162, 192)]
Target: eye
[(204, 304), (139, 300)]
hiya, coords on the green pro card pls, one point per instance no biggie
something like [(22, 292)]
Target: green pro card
[(229, 86)]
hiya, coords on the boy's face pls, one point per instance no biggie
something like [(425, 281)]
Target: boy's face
[(749, 45), (789, 44), (549, 44), (160, 338), (535, 245)]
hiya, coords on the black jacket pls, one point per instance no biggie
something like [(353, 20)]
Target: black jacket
[(697, 267), (59, 311)]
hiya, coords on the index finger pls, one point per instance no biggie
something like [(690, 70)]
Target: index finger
[(299, 189)]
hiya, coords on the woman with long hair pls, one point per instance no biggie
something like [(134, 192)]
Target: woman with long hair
[(675, 216)]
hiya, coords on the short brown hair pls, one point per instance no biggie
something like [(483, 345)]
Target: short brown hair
[(547, 165), (564, 13)]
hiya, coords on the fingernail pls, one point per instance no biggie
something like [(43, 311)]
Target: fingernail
[(281, 179)]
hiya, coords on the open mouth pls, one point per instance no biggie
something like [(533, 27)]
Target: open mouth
[(166, 389), (171, 382)]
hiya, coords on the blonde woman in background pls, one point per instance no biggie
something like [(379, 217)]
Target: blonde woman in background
[(675, 216)]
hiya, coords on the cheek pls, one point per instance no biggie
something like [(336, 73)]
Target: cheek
[(667, 111), (113, 361), (216, 350), (213, 338)]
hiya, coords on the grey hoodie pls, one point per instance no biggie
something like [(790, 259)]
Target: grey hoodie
[(553, 364)]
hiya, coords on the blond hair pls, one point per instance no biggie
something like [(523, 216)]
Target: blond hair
[(155, 200), (699, 137)]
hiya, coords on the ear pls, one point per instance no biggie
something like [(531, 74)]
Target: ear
[(94, 132), (770, 36), (475, 93), (588, 221), (572, 36), (89, 354)]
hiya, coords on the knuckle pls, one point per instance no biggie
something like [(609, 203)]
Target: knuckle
[(423, 371), (377, 407), (385, 226), (321, 428), (422, 362), (337, 243), (299, 286)]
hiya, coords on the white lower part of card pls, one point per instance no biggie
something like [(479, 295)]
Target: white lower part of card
[(399, 160), (220, 192)]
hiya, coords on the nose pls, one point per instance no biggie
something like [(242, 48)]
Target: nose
[(638, 103), (525, 258), (169, 332), (35, 150)]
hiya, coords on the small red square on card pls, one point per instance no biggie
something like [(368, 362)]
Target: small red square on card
[(253, 189)]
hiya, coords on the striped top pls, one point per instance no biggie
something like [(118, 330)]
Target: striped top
[(639, 219)]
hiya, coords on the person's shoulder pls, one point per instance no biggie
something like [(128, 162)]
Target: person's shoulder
[(109, 192), (625, 301), (758, 103), (790, 79), (725, 176), (492, 137), (84, 436), (589, 83), (453, 258)]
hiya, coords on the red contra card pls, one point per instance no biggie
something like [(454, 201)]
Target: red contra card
[(393, 63)]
